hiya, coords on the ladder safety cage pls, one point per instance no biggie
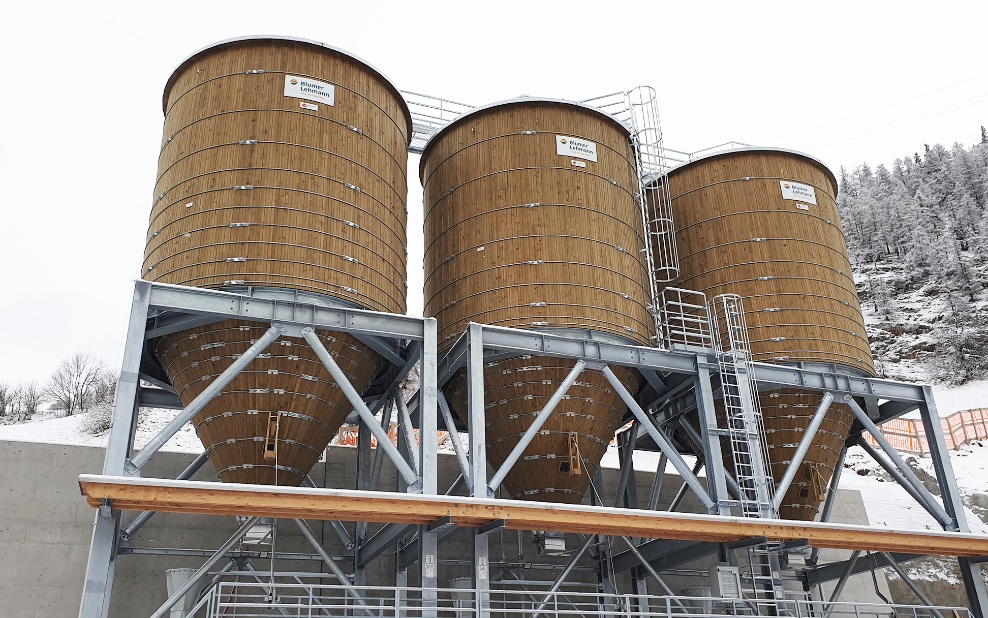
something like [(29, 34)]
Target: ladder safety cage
[(655, 199), (742, 410), (746, 434)]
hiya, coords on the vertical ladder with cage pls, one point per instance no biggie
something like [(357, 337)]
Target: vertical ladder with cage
[(654, 197), (746, 433)]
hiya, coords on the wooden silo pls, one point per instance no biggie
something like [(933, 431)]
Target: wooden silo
[(283, 172), (763, 224), (531, 222)]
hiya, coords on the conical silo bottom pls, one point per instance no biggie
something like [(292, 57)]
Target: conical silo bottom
[(286, 384), (515, 391), (786, 413)]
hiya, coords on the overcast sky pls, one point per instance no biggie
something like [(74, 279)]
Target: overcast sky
[(81, 99)]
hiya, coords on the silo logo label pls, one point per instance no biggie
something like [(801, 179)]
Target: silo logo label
[(796, 191), (309, 89), (574, 147)]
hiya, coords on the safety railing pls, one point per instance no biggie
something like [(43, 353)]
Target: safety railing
[(307, 595), (960, 428), (684, 319)]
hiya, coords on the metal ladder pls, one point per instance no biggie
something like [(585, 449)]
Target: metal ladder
[(654, 198), (746, 433)]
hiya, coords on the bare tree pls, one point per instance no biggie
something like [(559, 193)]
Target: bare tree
[(8, 396), (31, 398), (80, 382)]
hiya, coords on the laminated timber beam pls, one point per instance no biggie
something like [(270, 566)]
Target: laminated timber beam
[(129, 494)]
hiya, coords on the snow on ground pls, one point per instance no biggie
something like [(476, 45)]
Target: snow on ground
[(888, 504), (968, 396), (68, 430)]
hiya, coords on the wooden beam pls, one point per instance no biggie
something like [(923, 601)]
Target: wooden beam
[(134, 494)]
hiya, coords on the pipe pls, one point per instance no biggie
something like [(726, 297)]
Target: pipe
[(660, 475), (682, 488), (732, 485), (204, 569), (801, 450), (215, 388), (848, 569), (924, 501), (536, 426)]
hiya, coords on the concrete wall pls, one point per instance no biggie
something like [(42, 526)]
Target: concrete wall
[(47, 525)]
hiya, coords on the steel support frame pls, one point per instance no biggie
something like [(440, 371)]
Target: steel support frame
[(479, 345), (158, 309), (886, 398)]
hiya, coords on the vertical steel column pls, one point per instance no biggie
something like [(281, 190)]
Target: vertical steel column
[(401, 570), (478, 461), (429, 463), (106, 528), (970, 571), (365, 465), (712, 456)]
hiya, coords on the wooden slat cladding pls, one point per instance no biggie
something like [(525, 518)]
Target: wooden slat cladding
[(287, 380), (787, 413), (515, 391), (737, 234), (518, 235), (255, 189)]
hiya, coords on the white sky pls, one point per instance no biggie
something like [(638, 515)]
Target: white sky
[(81, 104)]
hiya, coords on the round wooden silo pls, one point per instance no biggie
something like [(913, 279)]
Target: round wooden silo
[(531, 222), (282, 172), (763, 224)]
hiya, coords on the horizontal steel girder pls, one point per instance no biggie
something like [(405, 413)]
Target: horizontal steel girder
[(225, 305), (501, 342)]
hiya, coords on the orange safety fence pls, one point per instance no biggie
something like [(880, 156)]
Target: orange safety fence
[(347, 436), (959, 428)]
